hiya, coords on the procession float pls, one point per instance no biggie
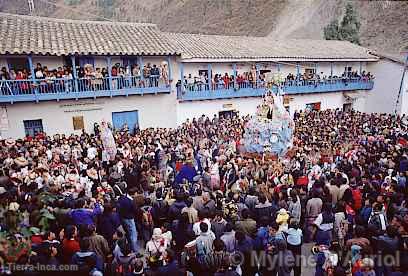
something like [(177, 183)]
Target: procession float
[(269, 132)]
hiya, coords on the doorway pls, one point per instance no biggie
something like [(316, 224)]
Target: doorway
[(227, 114), (347, 107)]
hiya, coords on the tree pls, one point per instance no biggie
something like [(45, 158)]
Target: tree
[(331, 31), (350, 26), (348, 30)]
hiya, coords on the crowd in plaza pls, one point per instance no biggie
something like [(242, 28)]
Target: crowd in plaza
[(89, 78), (190, 199), (254, 79)]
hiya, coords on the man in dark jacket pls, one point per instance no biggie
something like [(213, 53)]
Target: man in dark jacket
[(127, 211), (160, 209), (244, 245), (264, 209), (176, 207), (172, 267)]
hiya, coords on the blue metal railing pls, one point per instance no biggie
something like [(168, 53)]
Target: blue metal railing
[(68, 88), (249, 89)]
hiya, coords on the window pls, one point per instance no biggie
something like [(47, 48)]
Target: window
[(313, 106), (129, 61), (17, 63), (33, 127), (348, 70), (78, 122), (310, 71), (202, 72), (83, 60)]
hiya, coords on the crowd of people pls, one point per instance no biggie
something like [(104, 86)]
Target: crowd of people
[(251, 80), (88, 78), (191, 200)]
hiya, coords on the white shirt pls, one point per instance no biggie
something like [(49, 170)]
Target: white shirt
[(323, 226), (49, 154), (91, 153), (196, 226)]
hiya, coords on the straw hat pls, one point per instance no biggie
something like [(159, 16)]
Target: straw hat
[(14, 206), (21, 161), (10, 142)]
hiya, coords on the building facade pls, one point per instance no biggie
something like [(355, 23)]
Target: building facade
[(63, 76)]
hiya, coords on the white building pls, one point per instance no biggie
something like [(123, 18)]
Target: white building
[(66, 103), (390, 93)]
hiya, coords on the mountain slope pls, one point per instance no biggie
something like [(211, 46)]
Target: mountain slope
[(383, 23)]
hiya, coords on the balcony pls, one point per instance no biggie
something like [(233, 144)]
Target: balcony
[(201, 92), (62, 89)]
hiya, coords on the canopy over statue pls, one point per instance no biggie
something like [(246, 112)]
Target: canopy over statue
[(270, 130)]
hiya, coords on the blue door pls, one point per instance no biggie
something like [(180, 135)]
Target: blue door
[(33, 127), (131, 118)]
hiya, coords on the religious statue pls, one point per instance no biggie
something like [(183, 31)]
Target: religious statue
[(270, 130)]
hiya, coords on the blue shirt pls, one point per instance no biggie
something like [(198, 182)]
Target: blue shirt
[(85, 216), (188, 172), (294, 236)]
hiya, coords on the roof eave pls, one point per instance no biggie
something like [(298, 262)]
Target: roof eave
[(273, 59)]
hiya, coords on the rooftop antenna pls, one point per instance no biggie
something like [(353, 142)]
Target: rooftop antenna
[(31, 7)]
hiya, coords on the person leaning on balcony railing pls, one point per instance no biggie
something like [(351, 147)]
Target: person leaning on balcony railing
[(252, 75), (39, 74), (22, 85), (4, 75), (68, 80), (138, 76), (226, 80), (155, 74), (98, 79), (147, 73), (215, 82), (190, 82)]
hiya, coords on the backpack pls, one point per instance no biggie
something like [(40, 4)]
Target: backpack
[(147, 219)]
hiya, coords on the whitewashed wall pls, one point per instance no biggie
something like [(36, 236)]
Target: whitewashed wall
[(245, 106), (403, 108), (383, 97), (51, 62), (100, 62), (154, 111)]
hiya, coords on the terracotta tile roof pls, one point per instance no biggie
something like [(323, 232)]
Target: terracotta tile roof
[(243, 47), (38, 35), (21, 34)]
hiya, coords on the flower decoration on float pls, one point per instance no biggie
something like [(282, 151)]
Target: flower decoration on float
[(270, 130)]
